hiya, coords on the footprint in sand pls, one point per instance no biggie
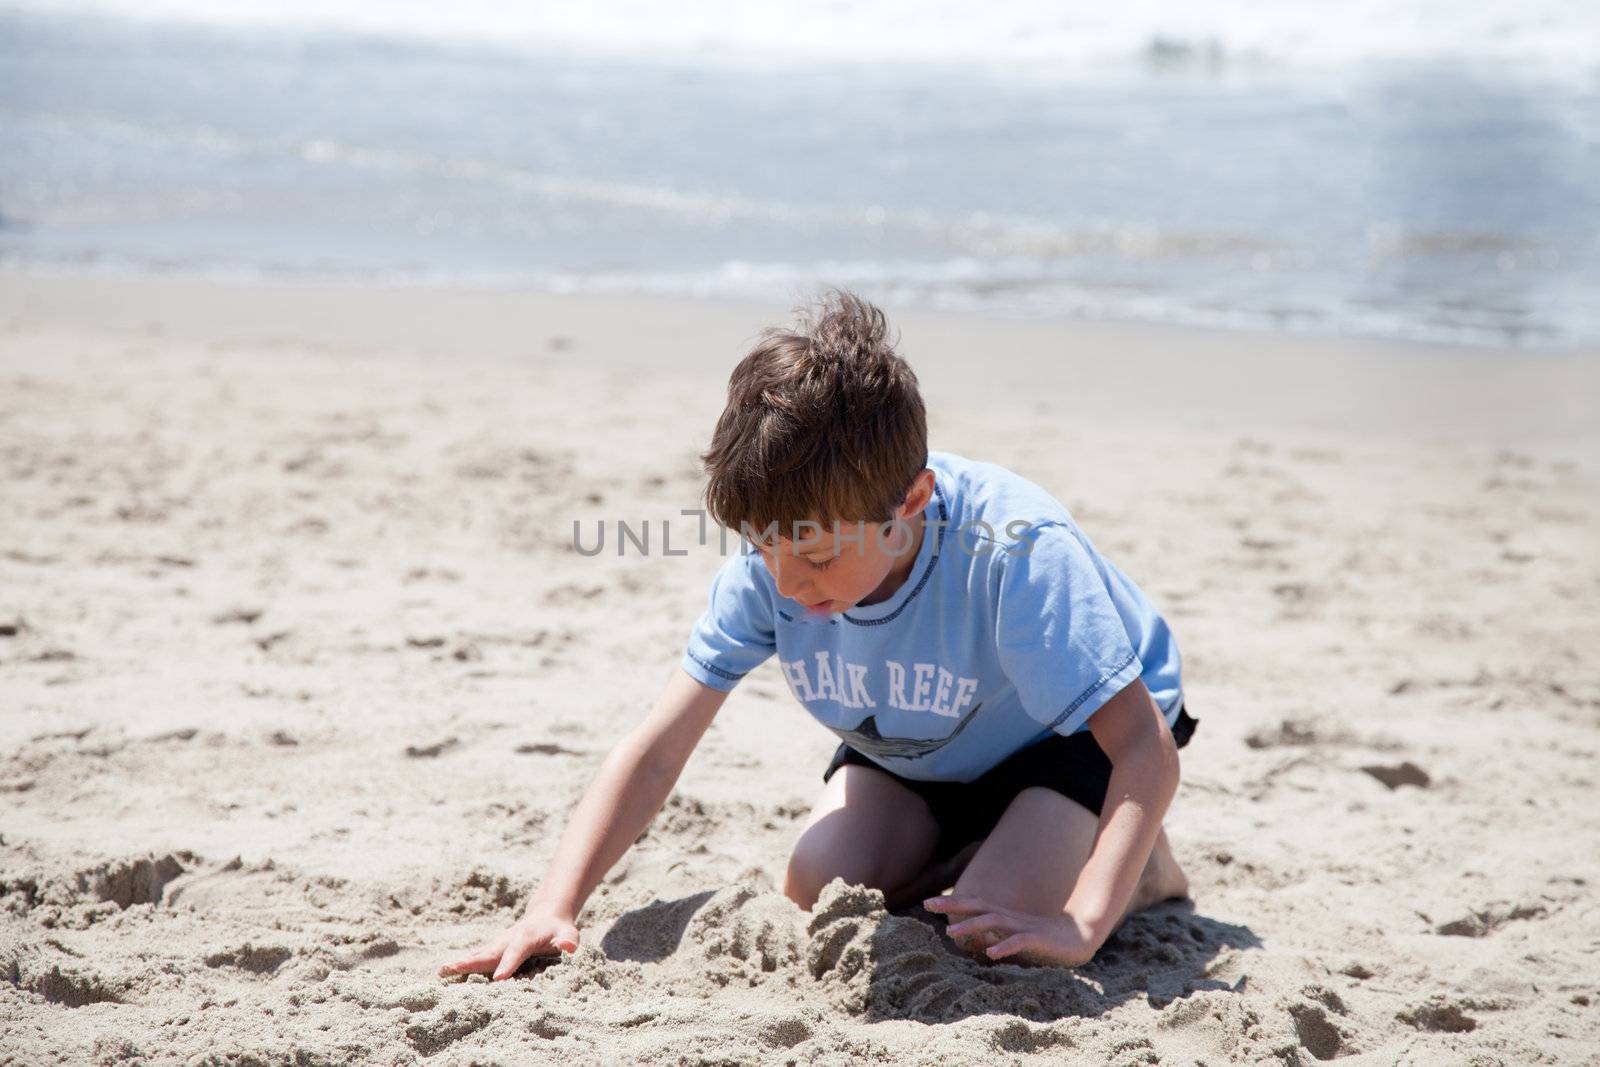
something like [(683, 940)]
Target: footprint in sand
[(186, 733), (1316, 1032), (438, 748), (245, 616), (1487, 921), (1396, 775), (546, 748), (256, 959), (1439, 1016), (265, 643), (70, 987), (1288, 732), (436, 1031), (425, 642)]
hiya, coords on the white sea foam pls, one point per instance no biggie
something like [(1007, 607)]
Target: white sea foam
[(990, 235), (1039, 34)]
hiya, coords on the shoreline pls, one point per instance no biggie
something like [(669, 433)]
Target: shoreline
[(1128, 373)]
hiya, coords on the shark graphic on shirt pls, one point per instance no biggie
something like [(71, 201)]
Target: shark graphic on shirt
[(866, 739)]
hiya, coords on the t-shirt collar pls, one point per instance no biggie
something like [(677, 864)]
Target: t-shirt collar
[(921, 571)]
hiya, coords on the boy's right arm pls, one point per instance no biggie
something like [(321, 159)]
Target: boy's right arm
[(631, 786)]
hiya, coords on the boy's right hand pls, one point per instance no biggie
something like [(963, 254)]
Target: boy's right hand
[(538, 933)]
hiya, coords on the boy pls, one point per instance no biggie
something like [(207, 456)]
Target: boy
[(1008, 700)]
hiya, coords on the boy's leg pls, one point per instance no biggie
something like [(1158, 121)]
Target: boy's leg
[(933, 880), (866, 828), (1032, 858)]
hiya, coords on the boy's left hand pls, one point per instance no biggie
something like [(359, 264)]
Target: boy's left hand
[(1063, 940)]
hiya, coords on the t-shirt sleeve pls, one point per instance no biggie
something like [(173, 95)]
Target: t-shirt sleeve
[(1061, 640), (735, 634)]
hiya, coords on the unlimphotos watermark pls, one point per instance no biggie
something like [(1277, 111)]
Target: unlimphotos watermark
[(893, 538)]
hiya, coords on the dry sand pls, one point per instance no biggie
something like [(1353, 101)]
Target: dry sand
[(299, 677)]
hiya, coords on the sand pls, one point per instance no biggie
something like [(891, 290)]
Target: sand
[(299, 677)]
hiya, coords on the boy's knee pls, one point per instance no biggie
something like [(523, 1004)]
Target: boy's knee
[(813, 865), (807, 873), (802, 883), (801, 891)]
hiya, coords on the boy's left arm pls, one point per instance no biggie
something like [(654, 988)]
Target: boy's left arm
[(1144, 777)]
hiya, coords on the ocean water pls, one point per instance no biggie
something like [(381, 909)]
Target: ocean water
[(1409, 169)]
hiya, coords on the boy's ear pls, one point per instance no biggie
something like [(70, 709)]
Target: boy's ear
[(918, 496)]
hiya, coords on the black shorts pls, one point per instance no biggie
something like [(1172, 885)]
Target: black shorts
[(1076, 767)]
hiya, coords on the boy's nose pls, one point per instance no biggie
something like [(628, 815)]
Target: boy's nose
[(787, 578)]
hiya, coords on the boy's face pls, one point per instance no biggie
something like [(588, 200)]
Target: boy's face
[(832, 570)]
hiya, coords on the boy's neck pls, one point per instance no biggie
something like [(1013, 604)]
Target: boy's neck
[(901, 571)]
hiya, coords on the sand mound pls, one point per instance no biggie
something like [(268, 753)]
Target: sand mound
[(85, 897)]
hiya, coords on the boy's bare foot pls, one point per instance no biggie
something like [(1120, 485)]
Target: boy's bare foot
[(1162, 879)]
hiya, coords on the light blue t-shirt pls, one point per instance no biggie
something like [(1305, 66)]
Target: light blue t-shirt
[(1002, 633)]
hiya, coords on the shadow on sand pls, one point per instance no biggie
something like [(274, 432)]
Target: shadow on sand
[(902, 965), (880, 965)]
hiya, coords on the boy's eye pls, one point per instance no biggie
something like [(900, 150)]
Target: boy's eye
[(821, 563)]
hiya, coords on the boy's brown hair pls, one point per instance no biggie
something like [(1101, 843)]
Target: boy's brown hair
[(824, 422)]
